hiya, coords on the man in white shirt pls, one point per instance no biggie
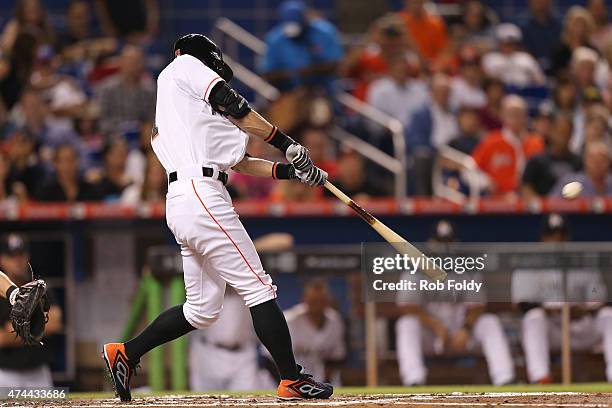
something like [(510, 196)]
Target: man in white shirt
[(317, 331), (513, 66), (202, 129)]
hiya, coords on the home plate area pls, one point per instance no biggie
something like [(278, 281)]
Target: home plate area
[(556, 400)]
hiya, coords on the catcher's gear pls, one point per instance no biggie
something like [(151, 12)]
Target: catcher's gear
[(204, 49), (30, 312)]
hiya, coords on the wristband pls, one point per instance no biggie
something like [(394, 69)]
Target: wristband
[(11, 294), (283, 171), (279, 140)]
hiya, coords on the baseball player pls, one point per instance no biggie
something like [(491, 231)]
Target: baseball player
[(438, 327), (202, 129), (539, 294), (318, 332), (224, 355)]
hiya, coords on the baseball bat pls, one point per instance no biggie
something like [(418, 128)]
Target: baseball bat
[(400, 244)]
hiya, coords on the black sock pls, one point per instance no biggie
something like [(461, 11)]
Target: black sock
[(168, 326), (271, 328)]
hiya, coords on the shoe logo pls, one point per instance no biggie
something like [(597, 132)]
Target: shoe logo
[(310, 389), (122, 373)]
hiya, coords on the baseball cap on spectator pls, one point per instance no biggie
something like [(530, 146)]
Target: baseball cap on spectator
[(555, 223), (508, 33), (13, 244), (444, 231), (292, 14), (591, 95), (546, 110)]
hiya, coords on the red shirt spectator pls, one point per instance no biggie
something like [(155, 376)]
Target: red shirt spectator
[(502, 153), (502, 156), (428, 31)]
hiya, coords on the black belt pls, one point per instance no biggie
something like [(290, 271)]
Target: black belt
[(206, 172)]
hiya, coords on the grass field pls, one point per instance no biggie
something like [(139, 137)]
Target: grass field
[(550, 396)]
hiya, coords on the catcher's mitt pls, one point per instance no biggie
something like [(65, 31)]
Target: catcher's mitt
[(30, 312)]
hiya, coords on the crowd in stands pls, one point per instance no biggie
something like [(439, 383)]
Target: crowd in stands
[(527, 101)]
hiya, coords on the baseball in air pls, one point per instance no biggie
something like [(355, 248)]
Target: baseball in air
[(572, 190)]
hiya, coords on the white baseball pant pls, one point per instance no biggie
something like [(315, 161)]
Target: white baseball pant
[(33, 377), (216, 249), (541, 333), (488, 333)]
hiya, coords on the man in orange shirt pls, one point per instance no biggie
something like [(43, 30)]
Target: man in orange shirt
[(502, 154), (427, 31)]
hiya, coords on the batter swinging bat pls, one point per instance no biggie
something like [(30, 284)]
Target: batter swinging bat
[(400, 244)]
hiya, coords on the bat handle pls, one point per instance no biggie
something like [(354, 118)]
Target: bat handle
[(337, 192)]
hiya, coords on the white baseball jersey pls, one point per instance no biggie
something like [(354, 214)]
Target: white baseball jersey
[(215, 247), (189, 131), (313, 345)]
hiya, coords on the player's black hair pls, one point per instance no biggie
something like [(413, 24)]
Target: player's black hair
[(204, 49)]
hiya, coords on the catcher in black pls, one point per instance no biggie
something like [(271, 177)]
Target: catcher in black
[(26, 316)]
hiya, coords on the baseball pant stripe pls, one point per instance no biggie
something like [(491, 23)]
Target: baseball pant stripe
[(228, 236)]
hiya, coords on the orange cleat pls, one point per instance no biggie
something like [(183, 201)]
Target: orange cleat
[(305, 387), (119, 368)]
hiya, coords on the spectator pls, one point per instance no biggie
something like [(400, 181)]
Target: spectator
[(77, 42), (114, 180), (542, 122), (470, 130), (317, 331), (583, 64), (595, 178), (316, 141), (467, 87), (544, 170), (135, 20), (433, 124), (398, 95), (66, 184), (30, 16), (565, 97), (351, 177), (25, 171), (62, 93), (34, 118), (602, 32), (301, 51), (591, 99), (490, 113), (502, 153), (542, 32), (15, 70), (21, 365), (431, 326), (539, 294), (388, 42), (509, 63), (475, 26), (427, 31), (578, 26), (596, 125), (129, 98), (154, 187)]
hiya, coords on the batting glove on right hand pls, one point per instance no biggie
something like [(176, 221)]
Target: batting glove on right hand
[(314, 176), (298, 156)]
